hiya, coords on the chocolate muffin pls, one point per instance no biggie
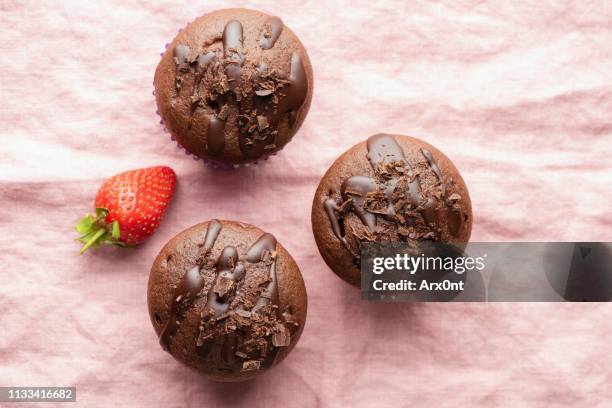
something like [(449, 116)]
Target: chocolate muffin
[(390, 188), (234, 86), (226, 299)]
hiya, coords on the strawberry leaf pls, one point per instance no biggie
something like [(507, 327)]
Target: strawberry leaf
[(87, 236), (85, 224), (94, 239), (116, 231)]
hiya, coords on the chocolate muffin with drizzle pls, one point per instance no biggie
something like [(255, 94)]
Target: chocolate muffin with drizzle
[(390, 188), (234, 86), (227, 300)]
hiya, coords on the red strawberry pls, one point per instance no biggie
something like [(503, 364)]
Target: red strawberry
[(129, 207)]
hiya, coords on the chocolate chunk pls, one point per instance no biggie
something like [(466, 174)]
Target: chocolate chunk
[(262, 122), (224, 286), (281, 338), (251, 365), (288, 315)]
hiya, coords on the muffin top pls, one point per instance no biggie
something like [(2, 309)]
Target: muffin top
[(390, 188), (234, 86), (226, 299)]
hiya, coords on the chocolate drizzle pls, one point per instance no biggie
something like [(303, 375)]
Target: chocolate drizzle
[(189, 286), (392, 205), (239, 330), (298, 89), (232, 49), (214, 228), (230, 87), (216, 135), (264, 246), (271, 30), (181, 55), (184, 294)]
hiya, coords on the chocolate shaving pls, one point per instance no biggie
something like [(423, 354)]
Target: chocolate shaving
[(203, 338), (264, 92), (438, 194), (243, 313), (223, 113), (221, 317), (363, 234), (376, 202), (404, 231), (260, 137)]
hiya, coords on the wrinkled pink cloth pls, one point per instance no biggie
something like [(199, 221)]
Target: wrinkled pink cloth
[(518, 94)]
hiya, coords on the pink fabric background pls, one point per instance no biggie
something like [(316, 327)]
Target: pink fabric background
[(518, 94)]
